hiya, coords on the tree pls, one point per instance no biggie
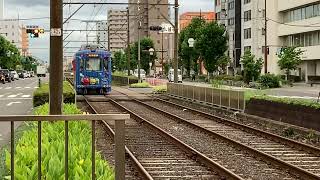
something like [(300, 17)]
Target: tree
[(9, 54), (120, 61), (28, 63), (251, 67), (190, 55), (289, 59), (211, 42), (145, 43), (222, 64)]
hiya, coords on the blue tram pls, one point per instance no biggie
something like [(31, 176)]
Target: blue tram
[(92, 70)]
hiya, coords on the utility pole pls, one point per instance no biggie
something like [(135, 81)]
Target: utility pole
[(128, 41), (56, 57), (139, 51), (162, 52), (109, 37), (265, 39), (176, 25)]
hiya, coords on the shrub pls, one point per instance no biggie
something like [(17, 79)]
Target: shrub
[(53, 151), (160, 89), (270, 81), (41, 95), (140, 85), (228, 78)]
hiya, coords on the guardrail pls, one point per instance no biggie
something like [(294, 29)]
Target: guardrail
[(119, 138), (123, 81), (228, 98)]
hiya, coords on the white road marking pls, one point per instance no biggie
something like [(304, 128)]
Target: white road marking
[(27, 87), (8, 87), (26, 96), (10, 104), (12, 96), (18, 87), (36, 87), (1, 96), (1, 87)]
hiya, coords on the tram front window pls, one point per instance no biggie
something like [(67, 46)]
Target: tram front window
[(93, 64)]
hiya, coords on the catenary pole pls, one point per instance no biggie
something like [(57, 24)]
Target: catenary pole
[(56, 56), (176, 25)]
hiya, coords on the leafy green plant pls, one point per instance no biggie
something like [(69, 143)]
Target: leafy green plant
[(160, 89), (252, 67), (53, 151), (217, 83), (41, 95), (140, 85), (270, 81), (289, 132)]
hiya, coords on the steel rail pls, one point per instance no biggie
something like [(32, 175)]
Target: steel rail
[(188, 149), (301, 172), (111, 133)]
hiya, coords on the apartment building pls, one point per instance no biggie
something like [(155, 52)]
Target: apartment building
[(295, 23), (289, 23), (118, 27), (24, 42), (229, 14), (1, 9), (186, 18), (148, 14), (11, 29), (102, 34)]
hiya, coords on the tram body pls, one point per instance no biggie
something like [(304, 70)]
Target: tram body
[(92, 70)]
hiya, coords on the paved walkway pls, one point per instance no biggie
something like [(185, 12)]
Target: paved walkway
[(299, 90)]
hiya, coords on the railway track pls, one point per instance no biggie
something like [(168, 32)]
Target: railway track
[(300, 159), (158, 155)]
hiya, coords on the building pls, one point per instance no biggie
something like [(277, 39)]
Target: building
[(1, 9), (102, 33), (289, 23), (229, 14), (24, 42), (118, 29), (150, 14), (186, 18), (11, 29)]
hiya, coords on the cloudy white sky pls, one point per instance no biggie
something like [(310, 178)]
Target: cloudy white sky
[(25, 9)]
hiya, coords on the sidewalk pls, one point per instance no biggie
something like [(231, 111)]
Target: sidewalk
[(299, 90)]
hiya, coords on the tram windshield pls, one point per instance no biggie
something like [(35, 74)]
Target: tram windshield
[(93, 64)]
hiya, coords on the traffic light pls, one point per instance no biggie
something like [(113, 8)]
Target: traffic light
[(155, 28), (34, 32)]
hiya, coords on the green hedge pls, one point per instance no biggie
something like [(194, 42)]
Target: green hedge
[(140, 85), (41, 95), (26, 155)]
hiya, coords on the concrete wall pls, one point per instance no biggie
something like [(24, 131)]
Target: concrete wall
[(289, 4)]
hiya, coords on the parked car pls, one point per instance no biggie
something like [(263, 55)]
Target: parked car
[(31, 73), (15, 74), (171, 76), (7, 75), (2, 77), (142, 73), (27, 74), (20, 73)]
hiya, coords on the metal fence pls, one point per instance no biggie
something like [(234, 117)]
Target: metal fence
[(232, 99), (119, 138)]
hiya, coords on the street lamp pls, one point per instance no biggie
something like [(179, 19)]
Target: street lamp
[(191, 42), (151, 51)]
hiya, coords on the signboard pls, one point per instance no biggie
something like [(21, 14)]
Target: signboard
[(167, 28), (56, 32)]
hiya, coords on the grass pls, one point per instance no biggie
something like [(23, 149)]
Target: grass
[(123, 74), (53, 150), (140, 85), (160, 89)]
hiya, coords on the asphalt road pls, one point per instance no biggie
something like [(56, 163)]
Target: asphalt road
[(15, 99)]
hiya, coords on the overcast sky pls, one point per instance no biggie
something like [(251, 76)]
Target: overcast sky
[(25, 9)]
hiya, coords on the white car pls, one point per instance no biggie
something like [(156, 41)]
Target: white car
[(26, 74), (142, 73), (171, 76), (15, 74)]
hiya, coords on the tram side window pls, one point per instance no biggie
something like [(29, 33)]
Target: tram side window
[(81, 65), (106, 64)]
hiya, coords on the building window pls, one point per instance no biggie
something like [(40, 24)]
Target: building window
[(247, 1), (247, 48), (247, 33), (302, 13), (231, 21), (247, 16), (303, 39), (231, 5)]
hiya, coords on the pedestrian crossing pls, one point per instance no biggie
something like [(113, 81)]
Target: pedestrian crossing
[(15, 96), (19, 88)]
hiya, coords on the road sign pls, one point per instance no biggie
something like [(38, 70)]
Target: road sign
[(56, 32), (167, 28)]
